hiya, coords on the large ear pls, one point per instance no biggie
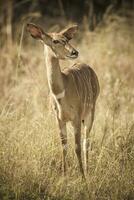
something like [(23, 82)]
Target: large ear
[(70, 32), (35, 31), (38, 33)]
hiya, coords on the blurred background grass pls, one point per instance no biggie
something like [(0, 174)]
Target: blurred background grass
[(30, 149)]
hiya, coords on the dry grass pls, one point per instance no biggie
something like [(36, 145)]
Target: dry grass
[(30, 149)]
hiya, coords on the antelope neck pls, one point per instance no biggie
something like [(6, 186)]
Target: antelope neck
[(54, 75)]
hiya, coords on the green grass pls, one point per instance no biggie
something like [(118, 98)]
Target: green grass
[(30, 148)]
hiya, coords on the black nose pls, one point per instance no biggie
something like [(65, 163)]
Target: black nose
[(74, 53)]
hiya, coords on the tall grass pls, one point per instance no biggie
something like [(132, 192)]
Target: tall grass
[(30, 148)]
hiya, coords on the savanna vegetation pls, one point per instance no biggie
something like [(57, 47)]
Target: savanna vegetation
[(30, 148)]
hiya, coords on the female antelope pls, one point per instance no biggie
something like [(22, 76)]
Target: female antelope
[(74, 90)]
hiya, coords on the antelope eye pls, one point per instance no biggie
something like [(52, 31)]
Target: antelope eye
[(56, 41)]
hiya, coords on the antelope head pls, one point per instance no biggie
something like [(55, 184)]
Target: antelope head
[(58, 42)]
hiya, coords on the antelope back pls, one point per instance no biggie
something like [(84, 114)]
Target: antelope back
[(86, 84)]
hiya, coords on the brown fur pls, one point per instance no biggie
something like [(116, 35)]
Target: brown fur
[(74, 90)]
